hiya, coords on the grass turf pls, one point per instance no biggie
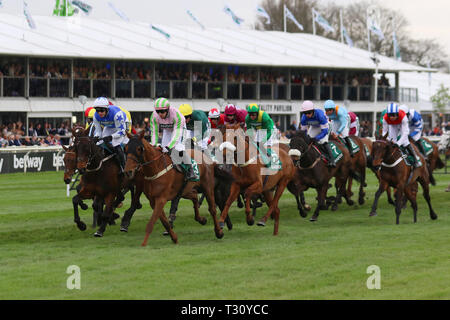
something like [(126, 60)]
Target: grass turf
[(327, 259)]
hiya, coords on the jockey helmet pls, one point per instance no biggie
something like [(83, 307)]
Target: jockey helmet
[(253, 108), (185, 109), (392, 108), (230, 109), (89, 112), (214, 114), (162, 104), (307, 106), (329, 104), (101, 102), (404, 107)]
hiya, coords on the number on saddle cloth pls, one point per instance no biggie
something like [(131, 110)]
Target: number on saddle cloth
[(427, 147), (355, 147), (185, 167), (337, 153)]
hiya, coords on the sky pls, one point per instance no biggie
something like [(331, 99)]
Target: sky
[(427, 19)]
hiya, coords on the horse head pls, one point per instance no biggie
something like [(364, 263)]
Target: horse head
[(85, 149), (298, 144), (381, 150), (70, 163), (134, 150)]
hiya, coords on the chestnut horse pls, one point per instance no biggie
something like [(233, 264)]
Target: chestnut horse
[(163, 183), (313, 172), (248, 175), (387, 157)]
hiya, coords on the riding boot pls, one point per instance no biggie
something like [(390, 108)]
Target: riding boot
[(412, 152), (349, 146), (331, 162), (190, 175), (120, 156), (420, 147)]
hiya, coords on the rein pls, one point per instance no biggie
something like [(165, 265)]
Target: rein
[(316, 161)]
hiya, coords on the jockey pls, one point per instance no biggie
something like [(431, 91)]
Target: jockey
[(415, 125), (395, 123), (215, 118), (354, 124), (260, 127), (340, 122), (110, 125), (315, 123), (234, 115), (172, 123), (196, 116), (89, 116)]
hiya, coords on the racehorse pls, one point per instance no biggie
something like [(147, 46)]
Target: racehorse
[(247, 176), (358, 167), (163, 183), (433, 160), (313, 172), (387, 157), (100, 180)]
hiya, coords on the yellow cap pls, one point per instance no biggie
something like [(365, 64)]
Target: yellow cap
[(185, 109)]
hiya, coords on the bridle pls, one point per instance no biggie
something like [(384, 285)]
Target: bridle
[(139, 159)]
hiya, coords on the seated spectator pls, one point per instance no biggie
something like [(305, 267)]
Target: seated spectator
[(27, 141), (35, 141), (57, 140)]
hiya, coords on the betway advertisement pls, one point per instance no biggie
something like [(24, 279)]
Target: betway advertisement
[(31, 161)]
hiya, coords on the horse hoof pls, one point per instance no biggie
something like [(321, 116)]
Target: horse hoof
[(307, 207), (203, 221), (165, 233), (261, 223), (98, 234), (372, 214), (221, 225), (219, 235), (350, 202), (84, 206), (139, 206), (81, 225), (251, 222), (361, 201), (334, 207), (123, 229), (313, 219)]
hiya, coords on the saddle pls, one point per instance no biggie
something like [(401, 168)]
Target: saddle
[(408, 158), (355, 147)]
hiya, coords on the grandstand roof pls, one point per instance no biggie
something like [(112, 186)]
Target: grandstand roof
[(83, 37)]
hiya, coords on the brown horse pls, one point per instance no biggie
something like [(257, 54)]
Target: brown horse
[(313, 172), (358, 167), (394, 172), (247, 172), (433, 159), (163, 183), (100, 180)]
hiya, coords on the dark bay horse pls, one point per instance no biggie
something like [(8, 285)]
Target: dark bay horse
[(394, 172), (249, 175), (164, 183), (313, 172), (358, 167), (100, 180), (433, 159)]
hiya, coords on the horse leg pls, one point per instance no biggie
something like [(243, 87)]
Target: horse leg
[(198, 217), (269, 198), (274, 204), (234, 193), (135, 204), (321, 201), (398, 204), (210, 198), (253, 189), (411, 196), (426, 195), (362, 174), (240, 203), (382, 187), (106, 215), (75, 201), (389, 196), (299, 198), (157, 212), (168, 228)]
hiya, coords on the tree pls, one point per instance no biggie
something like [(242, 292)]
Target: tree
[(440, 100), (424, 53)]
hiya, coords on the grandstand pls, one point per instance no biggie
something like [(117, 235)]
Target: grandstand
[(45, 70)]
